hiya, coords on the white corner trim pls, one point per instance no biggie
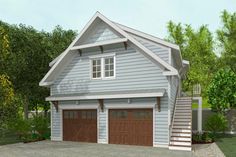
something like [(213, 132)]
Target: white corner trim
[(102, 141), (101, 43), (153, 124), (158, 94)]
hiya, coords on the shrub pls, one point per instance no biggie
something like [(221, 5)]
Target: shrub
[(205, 137), (222, 91), (216, 123), (40, 127), (21, 127)]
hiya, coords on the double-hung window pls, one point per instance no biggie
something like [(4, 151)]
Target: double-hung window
[(103, 67)]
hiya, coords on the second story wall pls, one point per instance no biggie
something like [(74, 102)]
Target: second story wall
[(133, 72)]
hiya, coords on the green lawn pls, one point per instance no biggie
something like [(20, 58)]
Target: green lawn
[(227, 144), (204, 104)]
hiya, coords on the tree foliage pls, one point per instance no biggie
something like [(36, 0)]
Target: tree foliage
[(227, 37), (222, 91), (197, 46), (9, 105), (29, 52)]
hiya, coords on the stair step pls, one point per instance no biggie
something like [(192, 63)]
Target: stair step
[(180, 138), (181, 143), (176, 147), (181, 134), (182, 130), (182, 124), (182, 120), (180, 115), (181, 127)]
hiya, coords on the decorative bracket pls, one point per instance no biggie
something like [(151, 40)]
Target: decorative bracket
[(158, 104), (80, 52), (101, 104), (55, 103), (125, 44), (101, 48)]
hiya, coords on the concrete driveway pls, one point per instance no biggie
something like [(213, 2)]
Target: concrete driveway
[(76, 149)]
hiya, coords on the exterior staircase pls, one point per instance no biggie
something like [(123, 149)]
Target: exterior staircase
[(181, 126)]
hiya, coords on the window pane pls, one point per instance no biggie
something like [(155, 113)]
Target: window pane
[(106, 61), (107, 73), (98, 68), (98, 62), (112, 67), (111, 73), (98, 74), (106, 67), (94, 75), (94, 62), (111, 60)]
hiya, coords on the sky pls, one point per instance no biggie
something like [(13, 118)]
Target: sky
[(150, 16)]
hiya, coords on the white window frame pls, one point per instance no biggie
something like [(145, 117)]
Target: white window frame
[(102, 57)]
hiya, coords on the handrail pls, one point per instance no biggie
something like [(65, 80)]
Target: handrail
[(173, 112)]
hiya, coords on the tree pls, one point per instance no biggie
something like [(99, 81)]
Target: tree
[(30, 51), (197, 46), (227, 37), (222, 91), (8, 106)]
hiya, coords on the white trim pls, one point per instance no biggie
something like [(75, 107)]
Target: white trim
[(153, 125), (61, 124), (107, 125), (51, 118), (170, 56), (101, 43), (98, 118), (125, 106), (158, 94), (56, 139), (65, 107), (149, 37), (185, 62), (102, 55), (160, 145), (148, 53)]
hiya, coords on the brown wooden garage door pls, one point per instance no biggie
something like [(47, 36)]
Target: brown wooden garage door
[(131, 126), (80, 125)]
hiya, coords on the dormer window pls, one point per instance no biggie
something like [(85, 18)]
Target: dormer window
[(103, 66)]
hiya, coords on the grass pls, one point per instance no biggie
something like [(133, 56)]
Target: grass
[(227, 144), (204, 104)]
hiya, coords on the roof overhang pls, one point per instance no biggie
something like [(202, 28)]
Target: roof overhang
[(129, 94)]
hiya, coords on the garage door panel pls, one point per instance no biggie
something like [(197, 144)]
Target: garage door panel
[(131, 126), (80, 125)]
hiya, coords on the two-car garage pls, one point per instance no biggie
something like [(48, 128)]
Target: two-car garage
[(125, 126)]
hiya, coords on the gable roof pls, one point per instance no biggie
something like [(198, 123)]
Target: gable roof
[(61, 60)]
